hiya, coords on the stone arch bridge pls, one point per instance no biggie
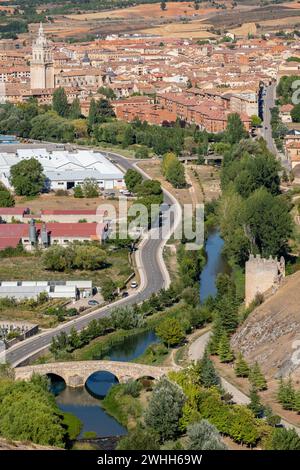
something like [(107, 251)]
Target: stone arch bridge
[(75, 374)]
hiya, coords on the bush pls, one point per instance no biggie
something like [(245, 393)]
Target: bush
[(133, 388)]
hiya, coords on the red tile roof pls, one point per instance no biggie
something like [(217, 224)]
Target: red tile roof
[(12, 210)]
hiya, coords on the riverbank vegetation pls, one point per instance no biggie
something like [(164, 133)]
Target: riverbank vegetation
[(189, 410), (28, 412)]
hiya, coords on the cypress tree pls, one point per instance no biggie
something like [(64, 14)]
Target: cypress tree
[(60, 102), (92, 118), (297, 402), (255, 404), (286, 394), (217, 332), (241, 367), (256, 377), (224, 351), (75, 109), (207, 373)]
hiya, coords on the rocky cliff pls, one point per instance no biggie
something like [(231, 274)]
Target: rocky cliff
[(271, 333)]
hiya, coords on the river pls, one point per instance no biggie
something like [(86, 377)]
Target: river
[(85, 402), (215, 264)]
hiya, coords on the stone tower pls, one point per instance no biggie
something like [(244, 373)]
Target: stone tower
[(41, 65), (261, 275)]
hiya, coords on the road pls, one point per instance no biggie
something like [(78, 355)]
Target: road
[(269, 103), (153, 273)]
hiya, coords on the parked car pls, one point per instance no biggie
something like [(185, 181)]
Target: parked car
[(125, 294), (93, 302), (133, 285)]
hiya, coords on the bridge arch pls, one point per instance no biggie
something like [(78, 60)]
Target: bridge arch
[(56, 382), (100, 382)]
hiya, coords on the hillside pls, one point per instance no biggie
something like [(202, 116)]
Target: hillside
[(271, 333), (16, 445)]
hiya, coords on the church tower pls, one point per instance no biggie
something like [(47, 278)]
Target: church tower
[(41, 65)]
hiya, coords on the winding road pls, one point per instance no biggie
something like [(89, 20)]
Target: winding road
[(152, 270)]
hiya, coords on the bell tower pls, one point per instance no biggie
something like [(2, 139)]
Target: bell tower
[(41, 64)]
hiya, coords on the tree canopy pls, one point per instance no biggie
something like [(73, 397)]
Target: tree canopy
[(27, 177)]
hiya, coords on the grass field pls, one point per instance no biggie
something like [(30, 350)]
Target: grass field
[(147, 11), (52, 202)]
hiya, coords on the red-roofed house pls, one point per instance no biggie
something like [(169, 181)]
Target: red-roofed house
[(44, 235)]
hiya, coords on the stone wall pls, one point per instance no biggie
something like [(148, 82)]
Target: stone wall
[(261, 275)]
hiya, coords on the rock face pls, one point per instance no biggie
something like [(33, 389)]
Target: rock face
[(271, 333)]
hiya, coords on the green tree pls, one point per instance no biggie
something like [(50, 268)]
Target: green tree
[(139, 438), (243, 426), (75, 109), (284, 439), (78, 193), (207, 374), (295, 113), (263, 211), (205, 436), (286, 394), (90, 188), (6, 198), (27, 177), (165, 409), (224, 351), (255, 404), (92, 117), (107, 92), (217, 332), (255, 121), (132, 179), (74, 339), (142, 152), (89, 257), (241, 368), (28, 412), (235, 130), (256, 377), (60, 102), (170, 331), (126, 318), (108, 289)]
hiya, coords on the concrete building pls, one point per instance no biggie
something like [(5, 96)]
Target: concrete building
[(66, 169), (261, 275), (41, 64), (21, 290)]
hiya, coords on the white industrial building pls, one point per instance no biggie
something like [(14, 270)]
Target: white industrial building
[(66, 169), (20, 290)]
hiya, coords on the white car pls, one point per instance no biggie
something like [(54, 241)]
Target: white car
[(133, 285)]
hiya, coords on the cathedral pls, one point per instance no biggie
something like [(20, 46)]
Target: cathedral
[(41, 65)]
